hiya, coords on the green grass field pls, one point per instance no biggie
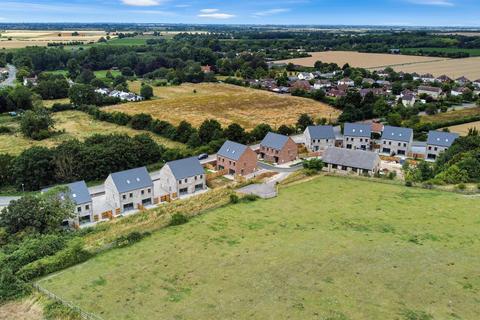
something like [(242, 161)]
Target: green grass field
[(472, 52), (101, 74), (330, 248)]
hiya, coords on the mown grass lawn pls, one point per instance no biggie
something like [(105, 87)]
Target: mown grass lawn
[(331, 248)]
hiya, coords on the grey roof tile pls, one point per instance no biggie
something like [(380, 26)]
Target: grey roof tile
[(185, 168), (274, 140), (351, 158), (441, 139), (232, 150), (397, 133), (132, 179), (321, 132), (357, 130)]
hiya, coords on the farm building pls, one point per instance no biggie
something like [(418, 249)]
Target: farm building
[(438, 142), (182, 177), (396, 140), (236, 158), (357, 136), (278, 148), (319, 137), (129, 190), (351, 161)]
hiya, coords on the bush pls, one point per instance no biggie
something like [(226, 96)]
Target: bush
[(310, 172), (62, 107), (392, 175), (69, 256), (250, 198), (233, 198), (5, 129), (129, 239), (11, 287), (313, 164), (408, 184), (178, 219), (461, 186)]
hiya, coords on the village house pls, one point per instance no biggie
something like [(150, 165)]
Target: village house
[(462, 81), (375, 91), (408, 100), (278, 148), (444, 79), (360, 162), (182, 177), (236, 159), (30, 82), (129, 190), (433, 92), (336, 93), (382, 73), (322, 84), (306, 76), (438, 142), (357, 136), (396, 140), (477, 83), (459, 91), (78, 194), (428, 77), (369, 81), (346, 82), (319, 138), (122, 95), (302, 85)]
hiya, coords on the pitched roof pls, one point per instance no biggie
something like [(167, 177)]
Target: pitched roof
[(441, 139), (397, 133), (77, 192), (430, 89), (351, 158), (321, 132), (132, 179), (357, 130), (232, 150), (274, 140), (185, 168)]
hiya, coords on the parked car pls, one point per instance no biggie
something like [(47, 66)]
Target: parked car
[(203, 156)]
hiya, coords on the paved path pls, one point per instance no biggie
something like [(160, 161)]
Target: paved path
[(12, 75), (270, 167), (265, 190)]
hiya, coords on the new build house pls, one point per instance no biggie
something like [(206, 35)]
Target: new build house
[(343, 160), (278, 148), (182, 177), (129, 190), (396, 140), (78, 193), (357, 136), (319, 138), (236, 159), (438, 142)]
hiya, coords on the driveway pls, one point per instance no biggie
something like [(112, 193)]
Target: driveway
[(265, 190), (12, 75), (269, 167)]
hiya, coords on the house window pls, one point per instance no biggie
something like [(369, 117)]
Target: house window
[(87, 207), (399, 144), (405, 145), (186, 180), (429, 148), (79, 209), (143, 192), (195, 177), (124, 196), (201, 176), (131, 194), (149, 190), (361, 140)]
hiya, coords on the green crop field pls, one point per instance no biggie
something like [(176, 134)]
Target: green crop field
[(330, 248)]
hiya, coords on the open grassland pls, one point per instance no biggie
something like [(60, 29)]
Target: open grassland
[(462, 129), (76, 125), (450, 115), (330, 248), (358, 59), (225, 103), (13, 39)]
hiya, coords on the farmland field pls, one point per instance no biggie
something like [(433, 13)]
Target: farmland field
[(454, 68), (462, 129), (472, 52), (24, 38), (226, 103), (451, 115), (76, 125), (358, 59), (384, 252)]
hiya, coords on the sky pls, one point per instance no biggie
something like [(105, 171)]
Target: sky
[(312, 12)]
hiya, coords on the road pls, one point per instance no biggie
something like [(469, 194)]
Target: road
[(12, 75)]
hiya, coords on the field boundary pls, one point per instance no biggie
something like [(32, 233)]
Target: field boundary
[(82, 313)]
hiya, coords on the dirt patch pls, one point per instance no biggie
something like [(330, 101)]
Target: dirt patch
[(28, 309)]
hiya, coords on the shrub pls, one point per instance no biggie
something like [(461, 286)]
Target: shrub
[(11, 287), (178, 219), (62, 107), (129, 239), (69, 256), (461, 186), (408, 184), (233, 198), (5, 129), (310, 172), (313, 164), (250, 197), (392, 175)]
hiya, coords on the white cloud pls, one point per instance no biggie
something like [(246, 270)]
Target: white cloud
[(155, 12), (271, 12), (441, 3), (143, 3), (214, 14), (209, 10)]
